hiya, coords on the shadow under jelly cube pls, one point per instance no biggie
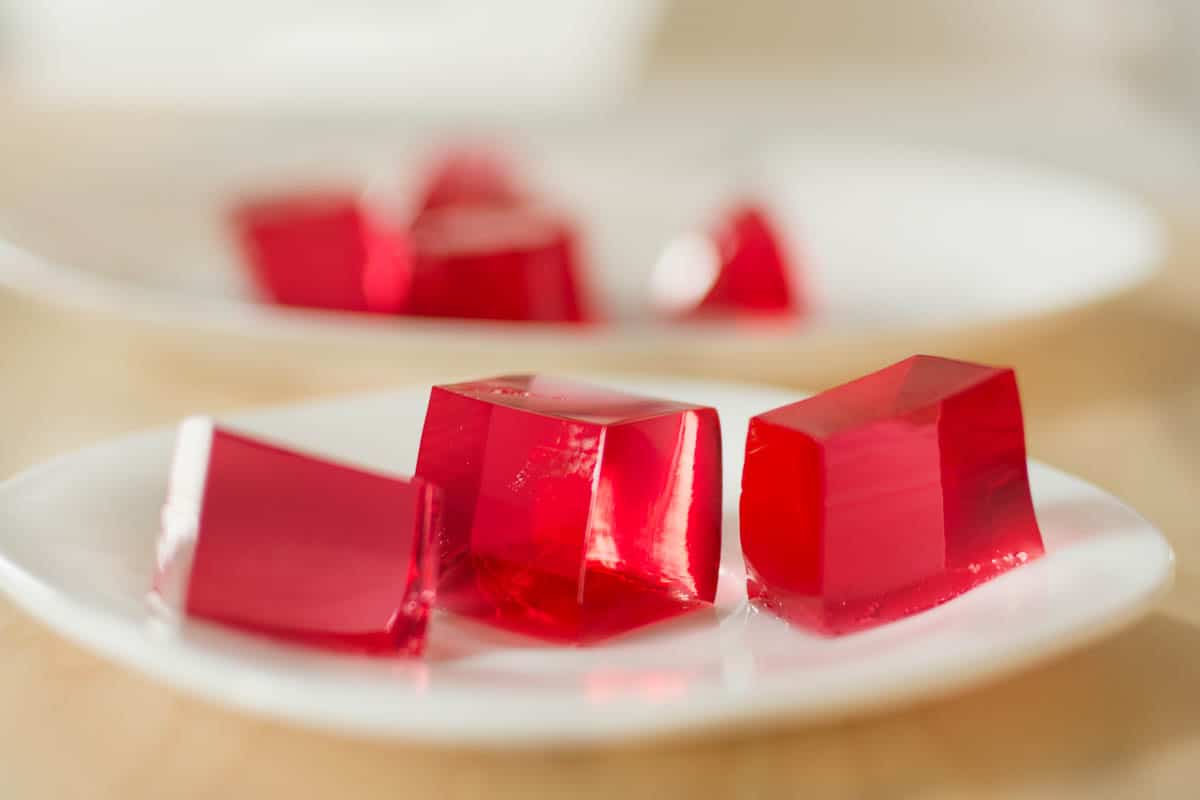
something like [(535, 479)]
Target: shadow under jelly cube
[(887, 495), (573, 512)]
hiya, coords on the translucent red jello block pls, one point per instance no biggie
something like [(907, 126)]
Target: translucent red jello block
[(283, 544), (518, 263), (887, 495), (740, 269), (573, 512), (470, 178), (325, 251)]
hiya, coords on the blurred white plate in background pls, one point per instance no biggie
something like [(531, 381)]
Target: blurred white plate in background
[(890, 238), (77, 540)]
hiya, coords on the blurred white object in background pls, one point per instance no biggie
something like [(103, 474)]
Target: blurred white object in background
[(1173, 74), (955, 39), (432, 54)]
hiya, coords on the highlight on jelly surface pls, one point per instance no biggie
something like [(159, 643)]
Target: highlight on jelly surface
[(573, 512), (887, 495), (519, 263), (739, 269), (276, 542)]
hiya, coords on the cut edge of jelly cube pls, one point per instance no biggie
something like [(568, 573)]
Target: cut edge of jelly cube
[(420, 595), (186, 484), (511, 384), (761, 554)]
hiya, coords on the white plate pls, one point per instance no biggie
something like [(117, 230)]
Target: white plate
[(891, 238), (77, 542)]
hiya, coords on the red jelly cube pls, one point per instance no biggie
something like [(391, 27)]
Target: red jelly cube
[(287, 545), (573, 512), (470, 178), (887, 495), (740, 269), (325, 251), (516, 263)]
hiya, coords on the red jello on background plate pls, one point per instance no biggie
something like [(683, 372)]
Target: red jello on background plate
[(573, 512), (470, 177), (740, 269), (520, 262), (279, 543), (887, 495), (325, 251)]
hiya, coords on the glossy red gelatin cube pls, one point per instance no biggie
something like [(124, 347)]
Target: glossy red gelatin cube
[(518, 263), (573, 512), (740, 269), (283, 544), (887, 495), (470, 178), (325, 251)]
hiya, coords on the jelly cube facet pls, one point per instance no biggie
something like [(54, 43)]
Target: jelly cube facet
[(887, 495), (280, 543), (573, 512), (325, 251)]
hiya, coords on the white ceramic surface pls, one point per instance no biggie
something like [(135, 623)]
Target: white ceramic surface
[(891, 238), (77, 542)]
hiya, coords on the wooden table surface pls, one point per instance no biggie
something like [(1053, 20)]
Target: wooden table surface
[(1112, 393)]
